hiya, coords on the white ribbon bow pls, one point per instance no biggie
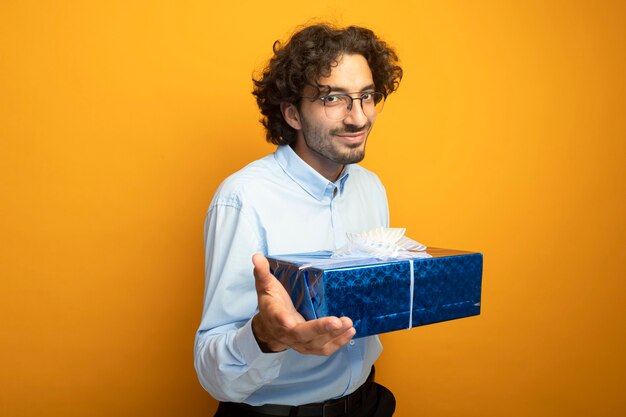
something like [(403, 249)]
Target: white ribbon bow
[(381, 243)]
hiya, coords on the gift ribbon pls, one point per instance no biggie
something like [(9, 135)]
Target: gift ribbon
[(411, 302)]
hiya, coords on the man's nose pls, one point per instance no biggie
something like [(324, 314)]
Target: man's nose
[(356, 115)]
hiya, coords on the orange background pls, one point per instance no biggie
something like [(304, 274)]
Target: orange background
[(119, 119)]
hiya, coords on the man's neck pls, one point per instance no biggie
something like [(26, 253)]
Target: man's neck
[(324, 166), (330, 173)]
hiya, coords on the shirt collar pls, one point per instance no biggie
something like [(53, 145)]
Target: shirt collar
[(306, 177)]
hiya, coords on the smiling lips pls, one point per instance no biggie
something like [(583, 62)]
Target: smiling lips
[(353, 138)]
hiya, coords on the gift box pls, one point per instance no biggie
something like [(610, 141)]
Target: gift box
[(383, 295)]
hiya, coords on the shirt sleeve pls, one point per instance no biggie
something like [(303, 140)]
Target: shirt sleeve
[(227, 358)]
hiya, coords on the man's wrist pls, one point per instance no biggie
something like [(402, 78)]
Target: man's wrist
[(264, 345)]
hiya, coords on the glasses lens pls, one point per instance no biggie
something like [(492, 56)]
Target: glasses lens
[(336, 106)]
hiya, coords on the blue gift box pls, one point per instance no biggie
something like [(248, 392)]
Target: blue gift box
[(383, 296)]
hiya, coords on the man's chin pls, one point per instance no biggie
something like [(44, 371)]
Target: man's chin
[(352, 158)]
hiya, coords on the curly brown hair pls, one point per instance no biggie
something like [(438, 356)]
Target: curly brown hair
[(309, 56)]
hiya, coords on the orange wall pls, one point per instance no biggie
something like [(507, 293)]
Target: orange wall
[(119, 119)]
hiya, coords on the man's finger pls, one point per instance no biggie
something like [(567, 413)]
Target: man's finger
[(323, 329), (326, 343), (335, 344)]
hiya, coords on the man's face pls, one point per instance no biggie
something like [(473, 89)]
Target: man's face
[(328, 144)]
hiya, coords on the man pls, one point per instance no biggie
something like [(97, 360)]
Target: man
[(319, 97)]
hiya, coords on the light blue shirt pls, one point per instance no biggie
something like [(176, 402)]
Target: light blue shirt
[(278, 205)]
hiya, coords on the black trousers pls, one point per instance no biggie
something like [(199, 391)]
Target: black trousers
[(382, 404)]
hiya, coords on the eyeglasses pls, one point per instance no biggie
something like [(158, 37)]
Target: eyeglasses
[(338, 106)]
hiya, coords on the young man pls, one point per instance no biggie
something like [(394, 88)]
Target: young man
[(319, 97)]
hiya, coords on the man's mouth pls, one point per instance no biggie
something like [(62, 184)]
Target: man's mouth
[(352, 137)]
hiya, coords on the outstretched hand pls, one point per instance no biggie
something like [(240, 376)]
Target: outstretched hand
[(278, 325)]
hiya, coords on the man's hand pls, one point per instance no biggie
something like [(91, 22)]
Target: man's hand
[(278, 325)]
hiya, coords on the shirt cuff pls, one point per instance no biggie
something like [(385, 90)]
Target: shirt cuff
[(251, 352)]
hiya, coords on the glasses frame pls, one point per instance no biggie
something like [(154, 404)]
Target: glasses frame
[(361, 97)]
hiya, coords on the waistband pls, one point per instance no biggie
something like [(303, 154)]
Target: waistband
[(331, 408)]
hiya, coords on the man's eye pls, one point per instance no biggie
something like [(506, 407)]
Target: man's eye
[(367, 97), (331, 100)]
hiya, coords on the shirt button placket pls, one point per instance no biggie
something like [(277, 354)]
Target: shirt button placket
[(338, 229)]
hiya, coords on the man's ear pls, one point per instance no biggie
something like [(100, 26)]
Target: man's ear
[(291, 115)]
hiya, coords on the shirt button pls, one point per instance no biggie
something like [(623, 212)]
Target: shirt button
[(352, 342)]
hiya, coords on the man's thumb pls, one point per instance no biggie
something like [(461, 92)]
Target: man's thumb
[(261, 269)]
